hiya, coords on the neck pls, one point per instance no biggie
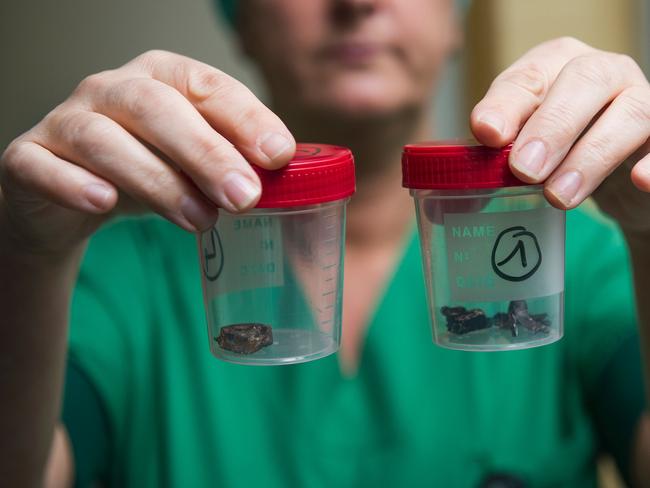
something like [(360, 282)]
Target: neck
[(381, 210)]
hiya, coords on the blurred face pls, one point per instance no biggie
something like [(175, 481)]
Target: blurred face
[(349, 57)]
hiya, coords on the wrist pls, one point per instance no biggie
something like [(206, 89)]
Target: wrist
[(36, 265), (16, 249)]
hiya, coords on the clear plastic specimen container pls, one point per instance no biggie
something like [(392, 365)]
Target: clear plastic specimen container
[(492, 248), (273, 277)]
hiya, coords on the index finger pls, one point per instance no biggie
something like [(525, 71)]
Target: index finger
[(228, 106), (517, 92)]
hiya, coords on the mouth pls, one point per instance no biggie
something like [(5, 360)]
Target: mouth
[(352, 54)]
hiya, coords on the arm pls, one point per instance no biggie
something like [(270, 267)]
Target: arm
[(34, 296), (632, 210), (579, 121), (163, 133)]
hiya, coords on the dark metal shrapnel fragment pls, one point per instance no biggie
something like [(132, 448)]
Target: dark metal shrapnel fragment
[(461, 321), (506, 321), (245, 338), (534, 323)]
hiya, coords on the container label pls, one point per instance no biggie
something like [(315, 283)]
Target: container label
[(242, 253), (505, 255)]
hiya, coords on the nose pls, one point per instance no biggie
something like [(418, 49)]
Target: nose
[(360, 4), (352, 11)]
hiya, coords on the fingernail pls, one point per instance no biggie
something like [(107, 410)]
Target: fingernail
[(566, 186), (494, 120), (530, 158), (98, 195), (274, 145), (197, 214), (240, 191)]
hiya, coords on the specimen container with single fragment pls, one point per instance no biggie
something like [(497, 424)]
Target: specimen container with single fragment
[(492, 248), (273, 276)]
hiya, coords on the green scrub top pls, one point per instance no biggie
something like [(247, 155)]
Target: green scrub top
[(146, 405)]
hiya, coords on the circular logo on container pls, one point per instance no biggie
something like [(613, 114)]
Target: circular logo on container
[(305, 151), (212, 254), (516, 255)]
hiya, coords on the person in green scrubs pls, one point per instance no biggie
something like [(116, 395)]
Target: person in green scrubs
[(112, 326)]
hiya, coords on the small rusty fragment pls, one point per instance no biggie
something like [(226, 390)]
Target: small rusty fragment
[(506, 321), (462, 321), (534, 323), (245, 338)]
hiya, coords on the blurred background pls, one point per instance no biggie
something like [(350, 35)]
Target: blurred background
[(47, 47)]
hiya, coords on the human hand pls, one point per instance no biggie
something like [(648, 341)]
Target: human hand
[(580, 121), (163, 132)]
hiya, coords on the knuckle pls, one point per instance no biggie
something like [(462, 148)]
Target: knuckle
[(626, 62), (628, 67), (50, 128), (248, 120), (141, 98), (566, 43), (557, 119), (151, 58), (93, 83), (13, 161), (212, 158), (636, 103), (530, 78), (594, 69), (596, 150), (158, 180), (85, 133), (154, 54), (12, 158), (203, 84)]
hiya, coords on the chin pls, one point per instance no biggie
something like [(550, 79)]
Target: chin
[(362, 97)]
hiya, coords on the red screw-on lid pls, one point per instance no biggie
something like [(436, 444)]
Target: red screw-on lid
[(318, 173), (456, 165)]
